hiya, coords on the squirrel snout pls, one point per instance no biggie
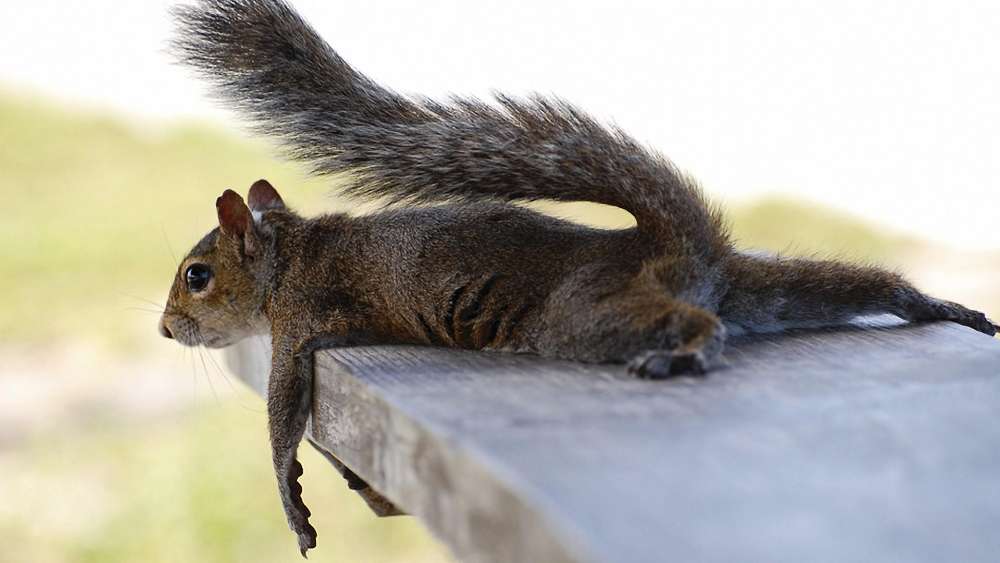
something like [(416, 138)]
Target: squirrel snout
[(164, 330)]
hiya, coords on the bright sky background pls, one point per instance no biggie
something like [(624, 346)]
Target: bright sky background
[(890, 109)]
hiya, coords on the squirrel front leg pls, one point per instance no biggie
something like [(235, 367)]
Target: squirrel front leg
[(289, 400), (289, 404)]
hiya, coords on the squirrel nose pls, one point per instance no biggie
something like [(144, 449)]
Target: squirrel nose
[(164, 330)]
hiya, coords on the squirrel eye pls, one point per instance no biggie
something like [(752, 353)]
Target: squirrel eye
[(197, 277)]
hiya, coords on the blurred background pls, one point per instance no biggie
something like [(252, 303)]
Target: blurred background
[(867, 132)]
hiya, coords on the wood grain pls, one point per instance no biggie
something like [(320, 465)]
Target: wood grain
[(857, 444)]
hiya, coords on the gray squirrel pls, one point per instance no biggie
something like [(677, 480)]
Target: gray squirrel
[(473, 270)]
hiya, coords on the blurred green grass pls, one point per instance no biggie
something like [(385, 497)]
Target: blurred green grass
[(173, 490)]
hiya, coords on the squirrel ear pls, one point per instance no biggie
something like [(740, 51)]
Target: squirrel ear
[(234, 216), (263, 196)]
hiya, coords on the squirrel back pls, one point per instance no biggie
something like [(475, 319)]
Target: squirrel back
[(274, 68)]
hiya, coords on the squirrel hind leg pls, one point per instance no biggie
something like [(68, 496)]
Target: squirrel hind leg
[(768, 294), (640, 324)]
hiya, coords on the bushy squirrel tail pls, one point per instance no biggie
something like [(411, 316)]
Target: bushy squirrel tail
[(273, 67)]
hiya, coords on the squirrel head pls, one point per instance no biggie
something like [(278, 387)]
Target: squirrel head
[(221, 286)]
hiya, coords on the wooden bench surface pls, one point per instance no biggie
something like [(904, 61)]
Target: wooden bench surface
[(875, 444)]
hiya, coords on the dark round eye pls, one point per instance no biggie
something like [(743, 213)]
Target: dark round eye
[(197, 277)]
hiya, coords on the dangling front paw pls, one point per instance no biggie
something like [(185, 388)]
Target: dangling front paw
[(296, 511)]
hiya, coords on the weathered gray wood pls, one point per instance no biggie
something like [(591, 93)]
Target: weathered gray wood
[(847, 445)]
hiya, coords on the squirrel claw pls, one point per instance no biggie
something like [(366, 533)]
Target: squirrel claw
[(307, 538)]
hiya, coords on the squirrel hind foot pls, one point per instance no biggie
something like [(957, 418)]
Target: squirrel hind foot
[(937, 309)]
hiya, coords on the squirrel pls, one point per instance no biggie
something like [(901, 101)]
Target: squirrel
[(474, 270)]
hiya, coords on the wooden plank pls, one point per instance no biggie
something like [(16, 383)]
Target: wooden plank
[(845, 445)]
